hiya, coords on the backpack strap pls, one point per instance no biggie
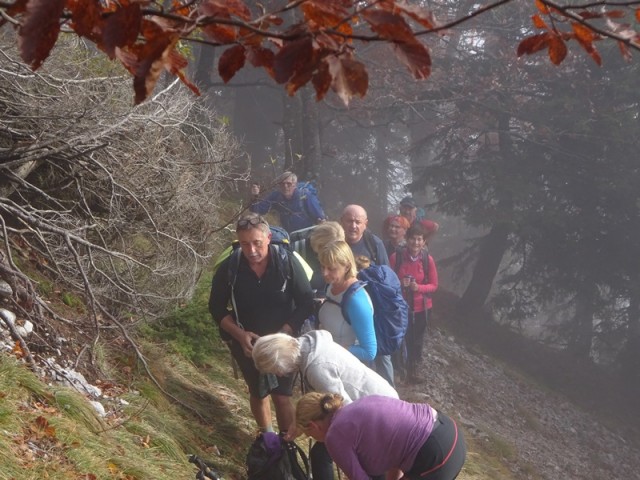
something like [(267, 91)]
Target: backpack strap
[(281, 259), (232, 276), (348, 293), (371, 246), (399, 259)]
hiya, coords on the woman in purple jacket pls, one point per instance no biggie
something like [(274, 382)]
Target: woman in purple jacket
[(376, 434)]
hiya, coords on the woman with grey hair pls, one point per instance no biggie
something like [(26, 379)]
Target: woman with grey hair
[(324, 366)]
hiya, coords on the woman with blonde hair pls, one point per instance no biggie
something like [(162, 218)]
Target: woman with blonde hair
[(376, 434), (339, 271), (324, 366)]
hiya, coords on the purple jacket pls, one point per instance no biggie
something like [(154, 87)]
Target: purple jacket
[(375, 434)]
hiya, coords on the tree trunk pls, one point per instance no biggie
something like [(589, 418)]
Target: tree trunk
[(492, 249), (292, 132), (581, 339), (630, 355), (312, 153)]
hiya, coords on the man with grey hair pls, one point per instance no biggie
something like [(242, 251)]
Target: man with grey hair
[(268, 292), (298, 208)]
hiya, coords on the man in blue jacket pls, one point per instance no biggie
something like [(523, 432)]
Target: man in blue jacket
[(298, 208)]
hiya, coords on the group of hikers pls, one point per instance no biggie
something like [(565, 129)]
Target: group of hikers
[(264, 297)]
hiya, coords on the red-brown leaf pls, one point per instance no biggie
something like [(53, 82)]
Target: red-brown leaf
[(615, 14), (231, 60), (147, 60), (390, 26), (583, 34), (542, 7), (223, 34), (533, 44), (39, 30), (122, 27), (557, 49), (261, 57), (624, 51), (322, 80), (18, 7), (176, 63), (585, 38), (638, 15), (87, 20), (327, 15), (349, 78), (292, 57), (225, 9), (538, 22), (416, 12), (415, 57)]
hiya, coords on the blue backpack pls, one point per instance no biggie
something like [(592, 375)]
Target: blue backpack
[(390, 311)]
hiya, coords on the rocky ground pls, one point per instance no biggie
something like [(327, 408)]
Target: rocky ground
[(543, 433)]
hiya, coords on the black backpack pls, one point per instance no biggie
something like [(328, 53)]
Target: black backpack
[(270, 457)]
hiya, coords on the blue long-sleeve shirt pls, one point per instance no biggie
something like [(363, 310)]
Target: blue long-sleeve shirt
[(359, 337), (296, 213)]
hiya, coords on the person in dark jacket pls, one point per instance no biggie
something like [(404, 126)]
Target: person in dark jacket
[(268, 292), (296, 208)]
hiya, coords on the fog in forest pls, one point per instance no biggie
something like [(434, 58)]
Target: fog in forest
[(530, 169)]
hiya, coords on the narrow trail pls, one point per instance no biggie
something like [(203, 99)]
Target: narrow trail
[(544, 434)]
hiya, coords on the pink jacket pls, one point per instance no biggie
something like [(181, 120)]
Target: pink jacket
[(414, 268)]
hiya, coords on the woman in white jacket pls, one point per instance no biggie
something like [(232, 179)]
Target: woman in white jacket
[(325, 366)]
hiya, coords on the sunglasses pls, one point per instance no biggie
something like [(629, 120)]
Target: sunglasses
[(251, 221)]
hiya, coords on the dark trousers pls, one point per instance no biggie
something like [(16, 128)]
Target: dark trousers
[(414, 339), (442, 456), (321, 462)]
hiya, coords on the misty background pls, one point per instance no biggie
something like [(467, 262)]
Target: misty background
[(531, 170)]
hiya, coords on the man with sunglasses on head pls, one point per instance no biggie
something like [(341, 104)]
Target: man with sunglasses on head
[(297, 208), (258, 290)]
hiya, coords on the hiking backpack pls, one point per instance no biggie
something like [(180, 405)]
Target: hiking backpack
[(270, 457), (307, 189), (390, 310)]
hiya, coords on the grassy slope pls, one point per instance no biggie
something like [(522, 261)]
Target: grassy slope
[(53, 432)]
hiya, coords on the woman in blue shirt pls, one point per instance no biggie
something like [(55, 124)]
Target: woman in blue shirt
[(339, 271)]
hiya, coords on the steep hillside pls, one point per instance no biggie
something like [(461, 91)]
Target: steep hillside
[(516, 427)]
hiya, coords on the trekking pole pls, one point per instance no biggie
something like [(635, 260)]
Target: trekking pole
[(205, 471)]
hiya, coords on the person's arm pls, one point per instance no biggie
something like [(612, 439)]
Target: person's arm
[(302, 296), (394, 474), (262, 207), (432, 279), (360, 312), (383, 258), (315, 209), (219, 299), (341, 446)]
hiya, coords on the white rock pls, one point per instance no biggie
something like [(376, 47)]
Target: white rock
[(99, 408), (5, 289), (8, 315), (26, 329)]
